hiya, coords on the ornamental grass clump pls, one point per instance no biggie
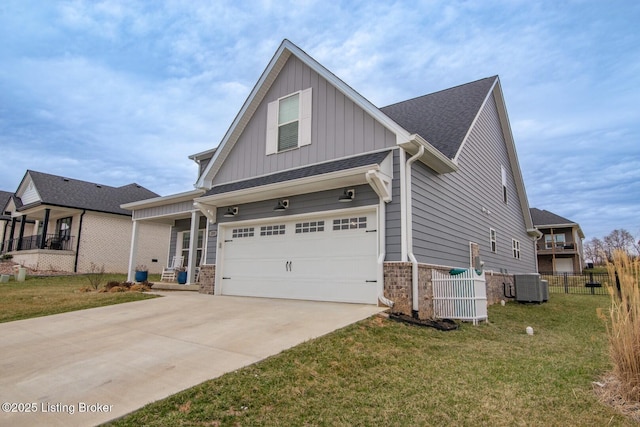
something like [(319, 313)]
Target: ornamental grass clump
[(623, 325)]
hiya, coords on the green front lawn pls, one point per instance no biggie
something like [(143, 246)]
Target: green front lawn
[(379, 372), (42, 296)]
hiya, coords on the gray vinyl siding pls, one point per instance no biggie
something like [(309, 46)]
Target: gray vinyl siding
[(393, 212), (339, 128), (302, 204), (182, 225), (448, 209)]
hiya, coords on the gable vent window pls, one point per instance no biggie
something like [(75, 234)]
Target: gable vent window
[(289, 122), (272, 230), (309, 227), (350, 223), (242, 232)]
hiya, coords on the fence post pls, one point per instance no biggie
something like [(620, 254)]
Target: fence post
[(566, 283)]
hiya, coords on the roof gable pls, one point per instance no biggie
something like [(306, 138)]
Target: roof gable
[(60, 191), (261, 88), (443, 118)]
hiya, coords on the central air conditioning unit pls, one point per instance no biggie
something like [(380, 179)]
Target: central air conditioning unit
[(529, 288)]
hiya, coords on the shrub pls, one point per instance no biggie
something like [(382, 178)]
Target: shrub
[(623, 325), (96, 276), (7, 257)]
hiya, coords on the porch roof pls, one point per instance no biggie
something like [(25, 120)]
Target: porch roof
[(322, 176)]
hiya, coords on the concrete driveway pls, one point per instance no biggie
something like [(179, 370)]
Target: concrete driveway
[(90, 366)]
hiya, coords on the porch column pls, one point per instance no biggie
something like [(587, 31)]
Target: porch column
[(11, 235), (45, 225), (23, 221), (133, 252), (193, 246)]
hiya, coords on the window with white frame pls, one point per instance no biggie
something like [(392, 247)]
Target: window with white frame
[(350, 223), (242, 232), (516, 248), (289, 122), (183, 238), (504, 184), (309, 227), (272, 230), (493, 240)]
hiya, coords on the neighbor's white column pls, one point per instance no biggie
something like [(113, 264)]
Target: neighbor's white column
[(133, 252)]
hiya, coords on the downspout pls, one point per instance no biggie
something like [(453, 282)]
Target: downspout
[(409, 222), (75, 264)]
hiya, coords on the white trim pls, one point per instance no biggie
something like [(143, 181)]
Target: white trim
[(223, 227), (345, 177), (162, 200)]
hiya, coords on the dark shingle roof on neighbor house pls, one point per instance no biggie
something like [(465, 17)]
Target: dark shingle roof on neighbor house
[(442, 118), (542, 218), (66, 192), (5, 196)]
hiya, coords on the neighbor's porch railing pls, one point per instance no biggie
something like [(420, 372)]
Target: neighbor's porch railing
[(51, 242)]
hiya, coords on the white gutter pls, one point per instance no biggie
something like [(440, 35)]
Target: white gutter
[(409, 232)]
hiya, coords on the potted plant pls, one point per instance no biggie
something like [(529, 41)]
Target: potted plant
[(142, 273), (182, 275)]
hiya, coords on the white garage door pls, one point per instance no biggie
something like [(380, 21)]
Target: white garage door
[(322, 258), (564, 265)]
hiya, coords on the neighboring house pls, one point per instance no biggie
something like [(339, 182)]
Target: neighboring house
[(5, 217), (560, 248), (315, 193), (59, 223)]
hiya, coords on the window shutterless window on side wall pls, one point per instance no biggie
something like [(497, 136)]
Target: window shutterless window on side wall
[(289, 122), (504, 184), (493, 240)]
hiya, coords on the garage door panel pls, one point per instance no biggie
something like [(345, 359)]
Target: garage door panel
[(313, 258)]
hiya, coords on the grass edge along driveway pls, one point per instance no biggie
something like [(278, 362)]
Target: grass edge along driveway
[(43, 296), (379, 372)]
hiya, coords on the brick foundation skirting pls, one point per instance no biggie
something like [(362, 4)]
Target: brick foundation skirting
[(398, 287), (207, 279)]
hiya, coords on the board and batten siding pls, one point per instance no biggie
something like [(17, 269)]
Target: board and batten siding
[(164, 210), (448, 209), (339, 128), (309, 203)]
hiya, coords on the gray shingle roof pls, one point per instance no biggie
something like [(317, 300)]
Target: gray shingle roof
[(542, 218), (305, 172), (5, 196), (442, 118), (60, 191)]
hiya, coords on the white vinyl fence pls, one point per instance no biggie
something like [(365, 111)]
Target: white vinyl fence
[(461, 296)]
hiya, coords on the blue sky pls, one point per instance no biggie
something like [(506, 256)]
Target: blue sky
[(116, 92)]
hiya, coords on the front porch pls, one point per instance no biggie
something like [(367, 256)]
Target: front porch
[(54, 242)]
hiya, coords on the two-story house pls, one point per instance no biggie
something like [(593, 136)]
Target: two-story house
[(560, 248), (315, 193)]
